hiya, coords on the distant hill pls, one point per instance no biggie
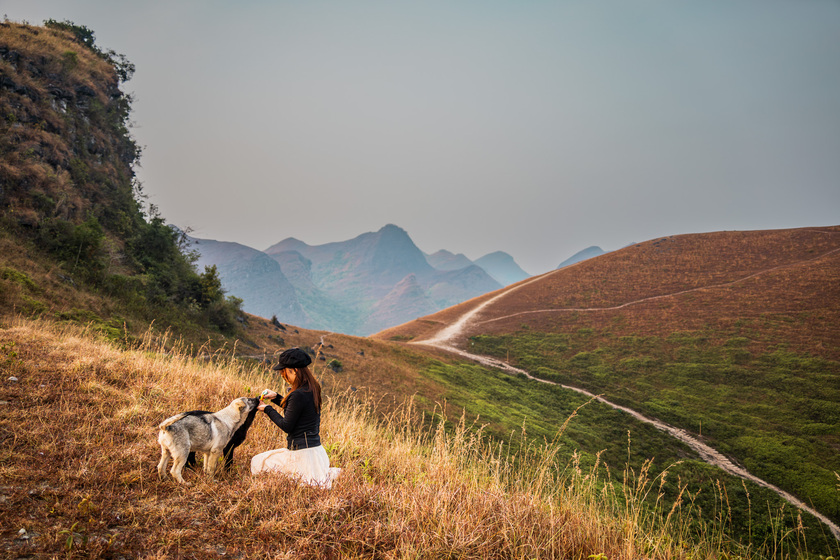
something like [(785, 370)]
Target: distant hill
[(407, 298), (446, 260), (322, 310), (502, 268), (499, 265), (359, 286), (582, 255), (373, 262), (381, 276)]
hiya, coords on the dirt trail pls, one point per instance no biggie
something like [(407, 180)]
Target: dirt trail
[(443, 340)]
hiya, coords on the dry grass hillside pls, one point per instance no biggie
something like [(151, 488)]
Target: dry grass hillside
[(79, 451), (786, 280)]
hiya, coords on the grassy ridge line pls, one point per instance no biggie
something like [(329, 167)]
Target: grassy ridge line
[(79, 455)]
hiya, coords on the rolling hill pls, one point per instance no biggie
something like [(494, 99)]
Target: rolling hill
[(731, 336)]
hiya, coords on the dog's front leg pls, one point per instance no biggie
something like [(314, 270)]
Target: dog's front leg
[(210, 461), (205, 459)]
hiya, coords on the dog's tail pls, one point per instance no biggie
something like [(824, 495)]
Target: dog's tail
[(169, 421)]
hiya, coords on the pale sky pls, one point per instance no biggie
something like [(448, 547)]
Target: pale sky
[(537, 128)]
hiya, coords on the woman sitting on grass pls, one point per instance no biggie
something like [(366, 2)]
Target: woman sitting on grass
[(304, 458)]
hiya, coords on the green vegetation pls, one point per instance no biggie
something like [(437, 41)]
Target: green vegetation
[(20, 278), (514, 410), (777, 412)]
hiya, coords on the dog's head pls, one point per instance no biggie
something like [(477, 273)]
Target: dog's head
[(247, 410), (246, 405)]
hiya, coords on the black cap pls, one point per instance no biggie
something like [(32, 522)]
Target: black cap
[(293, 358)]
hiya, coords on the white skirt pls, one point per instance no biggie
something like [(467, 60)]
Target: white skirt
[(310, 466)]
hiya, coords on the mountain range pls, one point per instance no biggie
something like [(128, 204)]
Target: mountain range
[(359, 286)]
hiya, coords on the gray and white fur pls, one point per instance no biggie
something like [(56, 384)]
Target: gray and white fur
[(198, 430)]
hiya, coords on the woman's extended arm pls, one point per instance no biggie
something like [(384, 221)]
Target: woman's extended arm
[(294, 408)]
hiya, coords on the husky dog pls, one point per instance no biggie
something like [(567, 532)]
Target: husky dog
[(235, 441), (212, 433)]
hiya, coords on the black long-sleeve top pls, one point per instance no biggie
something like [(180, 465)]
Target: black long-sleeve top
[(300, 420)]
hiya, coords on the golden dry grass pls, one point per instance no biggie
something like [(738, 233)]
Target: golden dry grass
[(79, 455), (83, 65), (78, 478)]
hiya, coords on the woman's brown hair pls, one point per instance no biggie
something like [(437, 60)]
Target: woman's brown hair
[(303, 378)]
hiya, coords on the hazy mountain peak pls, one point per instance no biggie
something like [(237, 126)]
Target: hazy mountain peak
[(446, 260), (588, 253), (253, 275), (496, 256), (392, 229), (396, 255), (502, 268), (288, 244), (362, 285)]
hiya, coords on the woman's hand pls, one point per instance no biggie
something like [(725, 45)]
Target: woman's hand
[(261, 407), (268, 394)]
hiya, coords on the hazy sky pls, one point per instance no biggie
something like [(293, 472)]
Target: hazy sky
[(533, 127)]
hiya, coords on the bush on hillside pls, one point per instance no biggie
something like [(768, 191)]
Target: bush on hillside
[(79, 247)]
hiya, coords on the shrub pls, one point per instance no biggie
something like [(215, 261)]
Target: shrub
[(211, 286), (85, 35), (80, 247), (224, 314), (20, 278)]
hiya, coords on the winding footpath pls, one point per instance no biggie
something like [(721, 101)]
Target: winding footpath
[(444, 341)]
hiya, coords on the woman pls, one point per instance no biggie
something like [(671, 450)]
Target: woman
[(304, 458)]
